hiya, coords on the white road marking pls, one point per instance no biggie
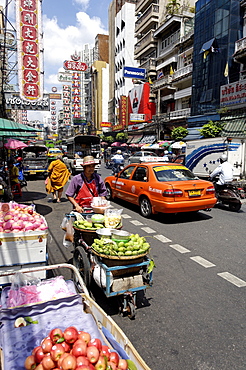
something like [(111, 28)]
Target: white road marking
[(136, 223), (148, 230), (162, 239), (126, 216), (232, 279), (179, 248), (202, 261)]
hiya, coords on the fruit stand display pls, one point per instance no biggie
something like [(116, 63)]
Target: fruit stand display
[(115, 259), (62, 329), (23, 238)]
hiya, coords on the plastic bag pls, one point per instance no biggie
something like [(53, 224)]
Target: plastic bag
[(23, 290), (64, 223), (99, 275), (113, 218), (69, 230)]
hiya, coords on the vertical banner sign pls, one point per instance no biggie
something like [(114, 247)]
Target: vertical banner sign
[(29, 49), (76, 95), (123, 111), (53, 115), (66, 97)]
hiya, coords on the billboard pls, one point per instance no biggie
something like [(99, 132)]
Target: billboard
[(29, 49), (136, 73), (14, 101), (233, 95), (139, 105), (72, 65)]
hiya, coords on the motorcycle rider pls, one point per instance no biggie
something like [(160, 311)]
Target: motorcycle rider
[(224, 171), (117, 160)]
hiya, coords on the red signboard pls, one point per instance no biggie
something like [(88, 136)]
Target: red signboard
[(29, 48), (105, 124), (75, 66), (138, 102)]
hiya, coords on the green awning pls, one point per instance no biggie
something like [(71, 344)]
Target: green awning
[(234, 127), (6, 124), (19, 134)]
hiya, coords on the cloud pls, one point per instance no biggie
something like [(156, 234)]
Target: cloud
[(84, 3)]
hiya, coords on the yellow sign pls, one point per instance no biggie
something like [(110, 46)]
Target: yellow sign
[(163, 168)]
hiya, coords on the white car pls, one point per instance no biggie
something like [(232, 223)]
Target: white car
[(144, 156)]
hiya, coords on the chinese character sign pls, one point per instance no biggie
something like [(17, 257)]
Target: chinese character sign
[(66, 98), (76, 95), (29, 48)]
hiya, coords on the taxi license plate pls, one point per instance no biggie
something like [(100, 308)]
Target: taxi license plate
[(32, 172), (194, 193)]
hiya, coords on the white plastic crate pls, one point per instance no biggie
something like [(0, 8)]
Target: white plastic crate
[(38, 274)]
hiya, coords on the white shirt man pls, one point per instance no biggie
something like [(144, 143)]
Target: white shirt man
[(224, 171)]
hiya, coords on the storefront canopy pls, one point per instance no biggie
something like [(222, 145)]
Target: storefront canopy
[(7, 125), (148, 139), (17, 134)]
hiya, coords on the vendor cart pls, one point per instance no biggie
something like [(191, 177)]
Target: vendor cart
[(76, 309), (116, 276)]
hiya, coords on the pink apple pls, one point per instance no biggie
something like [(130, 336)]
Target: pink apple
[(56, 351), (122, 365), (70, 334), (105, 351), (39, 354), (39, 367), (82, 360), (46, 345), (59, 362), (66, 346), (114, 357), (95, 342), (79, 349), (101, 363), (30, 363), (85, 336), (47, 362), (55, 334), (92, 354), (112, 365), (69, 363)]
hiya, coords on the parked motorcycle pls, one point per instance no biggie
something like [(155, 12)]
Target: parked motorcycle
[(229, 195)]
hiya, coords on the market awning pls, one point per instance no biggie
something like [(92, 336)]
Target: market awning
[(136, 139), (19, 134), (6, 124), (234, 127), (207, 45)]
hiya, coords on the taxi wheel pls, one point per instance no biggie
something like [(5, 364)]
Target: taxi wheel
[(109, 192), (145, 207)]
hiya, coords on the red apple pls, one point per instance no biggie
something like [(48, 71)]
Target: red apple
[(56, 334), (69, 363), (91, 367), (122, 365), (59, 362), (70, 334), (95, 342), (105, 351), (39, 367), (47, 362), (114, 357), (111, 365), (34, 350), (56, 351), (66, 346), (92, 354), (83, 367), (39, 354), (101, 363), (82, 360), (85, 336), (30, 363), (46, 345), (79, 349)]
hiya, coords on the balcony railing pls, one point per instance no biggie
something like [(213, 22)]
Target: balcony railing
[(147, 39), (180, 113), (182, 72), (240, 44), (166, 80), (153, 9), (149, 64)]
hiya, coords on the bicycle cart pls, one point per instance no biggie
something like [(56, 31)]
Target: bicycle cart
[(117, 276), (76, 309)]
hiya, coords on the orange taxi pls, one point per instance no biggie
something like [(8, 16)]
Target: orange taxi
[(161, 187)]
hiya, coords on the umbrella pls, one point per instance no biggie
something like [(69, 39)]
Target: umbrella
[(178, 145), (116, 143), (15, 144), (124, 144), (104, 143)]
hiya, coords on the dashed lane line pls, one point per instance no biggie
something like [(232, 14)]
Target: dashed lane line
[(162, 239), (148, 230), (136, 223), (125, 216), (232, 279), (202, 261), (179, 248)]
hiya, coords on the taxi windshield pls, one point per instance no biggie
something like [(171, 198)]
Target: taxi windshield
[(173, 173)]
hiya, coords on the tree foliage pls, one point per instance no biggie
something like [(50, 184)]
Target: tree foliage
[(178, 133), (121, 136), (211, 129)]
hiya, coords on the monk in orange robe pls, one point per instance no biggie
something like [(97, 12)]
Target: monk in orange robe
[(58, 176)]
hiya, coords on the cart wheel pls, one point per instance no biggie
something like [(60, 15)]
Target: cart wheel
[(131, 312), (81, 261)]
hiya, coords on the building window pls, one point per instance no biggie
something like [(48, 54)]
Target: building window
[(185, 103)]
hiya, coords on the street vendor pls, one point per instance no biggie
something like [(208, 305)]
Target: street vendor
[(13, 172), (85, 186)]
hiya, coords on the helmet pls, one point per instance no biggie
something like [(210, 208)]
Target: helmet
[(165, 152), (223, 157), (19, 159), (118, 151)]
